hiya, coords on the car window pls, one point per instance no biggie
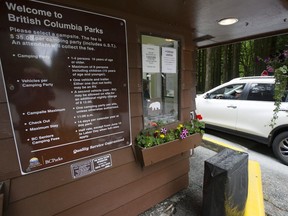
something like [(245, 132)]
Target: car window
[(227, 92), (261, 92)]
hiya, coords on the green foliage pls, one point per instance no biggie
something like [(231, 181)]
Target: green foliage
[(246, 67), (277, 65), (158, 134), (223, 60), (231, 209)]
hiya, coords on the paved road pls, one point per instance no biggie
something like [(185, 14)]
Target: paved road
[(189, 201), (274, 174)]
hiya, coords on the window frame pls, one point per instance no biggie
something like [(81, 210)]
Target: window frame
[(166, 94)]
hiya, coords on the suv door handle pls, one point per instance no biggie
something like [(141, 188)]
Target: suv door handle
[(232, 106)]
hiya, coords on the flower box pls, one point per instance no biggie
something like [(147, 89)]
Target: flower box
[(152, 155)]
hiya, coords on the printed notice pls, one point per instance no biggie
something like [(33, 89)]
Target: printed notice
[(151, 58), (169, 60), (66, 78)]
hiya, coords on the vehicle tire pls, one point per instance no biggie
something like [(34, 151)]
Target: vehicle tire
[(280, 147)]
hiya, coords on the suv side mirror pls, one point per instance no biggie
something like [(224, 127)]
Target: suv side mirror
[(207, 96)]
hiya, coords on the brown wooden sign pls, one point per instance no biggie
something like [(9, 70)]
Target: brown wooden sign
[(66, 78)]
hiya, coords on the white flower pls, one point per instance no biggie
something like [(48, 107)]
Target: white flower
[(283, 69)]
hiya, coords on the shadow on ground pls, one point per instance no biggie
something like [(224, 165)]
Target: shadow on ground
[(187, 202)]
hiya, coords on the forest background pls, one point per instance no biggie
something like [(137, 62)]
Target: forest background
[(216, 65)]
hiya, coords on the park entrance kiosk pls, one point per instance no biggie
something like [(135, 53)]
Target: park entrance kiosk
[(78, 83)]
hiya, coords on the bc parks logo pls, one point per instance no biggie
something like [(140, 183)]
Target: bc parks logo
[(33, 162)]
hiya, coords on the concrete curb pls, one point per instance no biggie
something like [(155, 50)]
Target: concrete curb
[(255, 201)]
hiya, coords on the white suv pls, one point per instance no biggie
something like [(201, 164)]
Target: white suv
[(249, 114)]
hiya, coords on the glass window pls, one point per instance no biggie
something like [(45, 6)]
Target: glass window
[(160, 79), (261, 92), (228, 92)]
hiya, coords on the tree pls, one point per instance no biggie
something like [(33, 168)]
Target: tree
[(263, 47), (247, 58), (217, 69), (201, 70), (208, 67), (221, 64), (235, 59)]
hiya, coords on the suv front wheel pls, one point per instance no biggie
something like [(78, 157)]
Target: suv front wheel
[(280, 147)]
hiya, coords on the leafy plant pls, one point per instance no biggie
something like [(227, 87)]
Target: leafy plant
[(158, 134), (277, 65)]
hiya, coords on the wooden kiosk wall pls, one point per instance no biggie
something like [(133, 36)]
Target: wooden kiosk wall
[(123, 189)]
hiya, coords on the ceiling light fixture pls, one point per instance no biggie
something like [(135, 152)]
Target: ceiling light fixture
[(228, 21)]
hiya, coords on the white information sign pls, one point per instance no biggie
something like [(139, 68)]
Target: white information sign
[(151, 58), (169, 60)]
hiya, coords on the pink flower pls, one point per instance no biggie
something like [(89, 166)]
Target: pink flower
[(270, 69), (285, 53), (184, 134), (164, 130)]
